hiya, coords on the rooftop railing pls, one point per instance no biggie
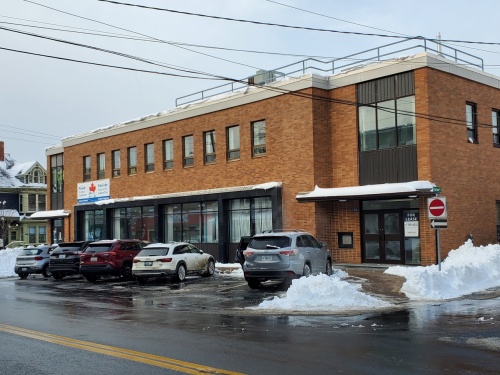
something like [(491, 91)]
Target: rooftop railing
[(337, 65)]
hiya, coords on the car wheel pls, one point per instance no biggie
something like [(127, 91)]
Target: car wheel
[(328, 269), (253, 284), (180, 273), (57, 275), (46, 272), (307, 270), (23, 275), (91, 278), (127, 272), (142, 280), (210, 268)]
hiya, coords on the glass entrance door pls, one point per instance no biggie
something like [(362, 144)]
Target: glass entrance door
[(382, 237)]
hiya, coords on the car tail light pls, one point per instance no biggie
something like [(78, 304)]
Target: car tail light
[(110, 254), (289, 252), (165, 260), (135, 261), (38, 258), (248, 253)]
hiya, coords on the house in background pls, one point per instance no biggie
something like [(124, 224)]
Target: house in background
[(349, 150), (23, 191)]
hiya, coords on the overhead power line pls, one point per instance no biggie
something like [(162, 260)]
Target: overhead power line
[(292, 26)]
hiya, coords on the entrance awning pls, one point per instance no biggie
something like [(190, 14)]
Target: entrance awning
[(53, 214), (9, 214), (411, 189)]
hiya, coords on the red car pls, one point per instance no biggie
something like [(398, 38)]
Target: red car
[(109, 257)]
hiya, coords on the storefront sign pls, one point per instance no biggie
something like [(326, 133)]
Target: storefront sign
[(411, 224), (93, 191)]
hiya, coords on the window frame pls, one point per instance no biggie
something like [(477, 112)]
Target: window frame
[(209, 142), (168, 163), (132, 160), (116, 162), (233, 153), (495, 126), (87, 168), (188, 161), (471, 122), (149, 157), (259, 149), (101, 167)]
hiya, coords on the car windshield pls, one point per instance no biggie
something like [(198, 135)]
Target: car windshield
[(67, 248), (31, 251), (153, 252), (270, 242), (99, 248)]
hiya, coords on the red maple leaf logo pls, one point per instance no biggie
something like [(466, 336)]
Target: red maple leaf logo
[(92, 188)]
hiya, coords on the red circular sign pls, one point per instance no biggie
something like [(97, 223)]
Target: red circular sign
[(436, 207)]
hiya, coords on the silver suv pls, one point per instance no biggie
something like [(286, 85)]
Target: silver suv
[(34, 260), (284, 255)]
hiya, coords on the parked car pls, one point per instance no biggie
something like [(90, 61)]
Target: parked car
[(14, 244), (284, 256), (65, 258), (242, 246), (109, 257), (34, 260), (176, 259)]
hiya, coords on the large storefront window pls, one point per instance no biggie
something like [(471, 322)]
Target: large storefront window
[(194, 222), (249, 216), (134, 223), (93, 225)]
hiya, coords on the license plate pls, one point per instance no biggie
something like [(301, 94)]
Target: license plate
[(93, 259), (267, 258), (61, 256), (148, 263), (24, 269)]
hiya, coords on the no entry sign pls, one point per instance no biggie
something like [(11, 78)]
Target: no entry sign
[(437, 208)]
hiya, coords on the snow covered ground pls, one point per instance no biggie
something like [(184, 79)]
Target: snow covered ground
[(466, 270)]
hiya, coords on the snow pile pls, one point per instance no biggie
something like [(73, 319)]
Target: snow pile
[(324, 293), (8, 261), (465, 270)]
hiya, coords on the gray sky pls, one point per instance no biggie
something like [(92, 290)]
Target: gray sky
[(44, 100)]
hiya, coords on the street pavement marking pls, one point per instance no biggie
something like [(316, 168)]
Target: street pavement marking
[(149, 359)]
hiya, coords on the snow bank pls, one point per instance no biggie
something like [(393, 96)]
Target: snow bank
[(8, 261)]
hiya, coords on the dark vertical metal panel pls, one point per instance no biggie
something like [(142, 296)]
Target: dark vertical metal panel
[(388, 166), (366, 92), (385, 88), (405, 84)]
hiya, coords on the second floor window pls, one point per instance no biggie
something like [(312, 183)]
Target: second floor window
[(495, 125), (210, 147), (168, 154), (233, 142), (101, 165), (188, 151), (115, 155), (86, 168), (259, 138), (149, 157), (132, 160), (471, 122)]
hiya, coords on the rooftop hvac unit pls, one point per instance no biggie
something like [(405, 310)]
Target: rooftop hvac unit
[(262, 77)]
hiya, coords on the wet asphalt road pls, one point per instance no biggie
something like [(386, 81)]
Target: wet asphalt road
[(208, 322)]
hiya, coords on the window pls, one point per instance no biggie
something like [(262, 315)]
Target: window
[(188, 143), (233, 142), (132, 160), (168, 154), (209, 146), (101, 165), (31, 202), (149, 157), (249, 216), (36, 202), (56, 181), (42, 234), (471, 121), (195, 222), (386, 112), (42, 205), (115, 155), (133, 222), (86, 168), (495, 125), (31, 234), (93, 225), (259, 138)]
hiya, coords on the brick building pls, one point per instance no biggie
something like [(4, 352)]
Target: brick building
[(351, 157)]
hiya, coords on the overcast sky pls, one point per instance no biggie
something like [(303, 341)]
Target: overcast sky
[(43, 100)]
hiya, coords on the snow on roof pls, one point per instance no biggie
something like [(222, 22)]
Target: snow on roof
[(49, 214), (10, 169), (264, 186)]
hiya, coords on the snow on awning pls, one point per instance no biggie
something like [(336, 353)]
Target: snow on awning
[(53, 214), (9, 214), (413, 188)]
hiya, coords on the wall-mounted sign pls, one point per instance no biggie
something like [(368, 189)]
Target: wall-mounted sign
[(93, 191), (411, 224)]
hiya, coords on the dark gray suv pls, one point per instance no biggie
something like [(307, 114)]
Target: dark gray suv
[(284, 255)]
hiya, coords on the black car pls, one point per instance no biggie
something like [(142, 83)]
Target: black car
[(242, 246), (65, 259)]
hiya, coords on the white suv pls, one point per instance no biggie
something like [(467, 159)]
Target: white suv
[(284, 255)]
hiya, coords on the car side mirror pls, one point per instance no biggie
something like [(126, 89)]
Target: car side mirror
[(323, 244)]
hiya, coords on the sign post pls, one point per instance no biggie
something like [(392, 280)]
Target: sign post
[(436, 208)]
